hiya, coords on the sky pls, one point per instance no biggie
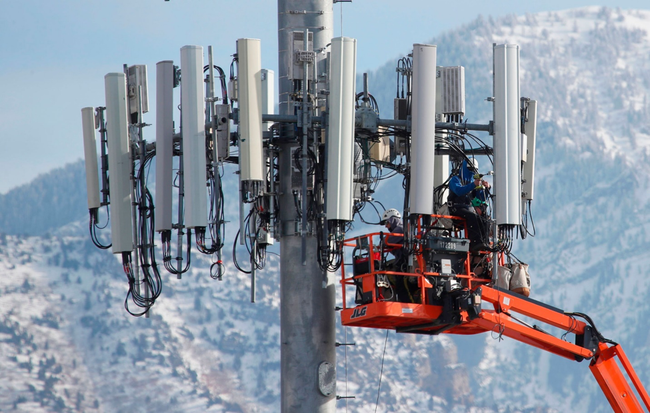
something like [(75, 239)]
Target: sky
[(54, 54)]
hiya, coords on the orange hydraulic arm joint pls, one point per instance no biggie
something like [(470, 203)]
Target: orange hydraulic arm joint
[(613, 382), (590, 344)]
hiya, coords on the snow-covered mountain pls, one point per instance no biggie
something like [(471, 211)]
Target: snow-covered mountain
[(66, 343), (48, 202)]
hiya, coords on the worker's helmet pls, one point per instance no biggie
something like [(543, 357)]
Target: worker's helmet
[(390, 213)]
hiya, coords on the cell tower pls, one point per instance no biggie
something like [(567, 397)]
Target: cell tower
[(307, 172)]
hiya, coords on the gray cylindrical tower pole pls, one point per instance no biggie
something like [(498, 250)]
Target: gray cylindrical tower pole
[(308, 355)]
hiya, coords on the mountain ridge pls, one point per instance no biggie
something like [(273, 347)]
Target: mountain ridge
[(27, 209)]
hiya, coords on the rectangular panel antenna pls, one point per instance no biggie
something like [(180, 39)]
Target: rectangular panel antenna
[(423, 129), (507, 140), (164, 144), (193, 134), (530, 126), (400, 112), (90, 155), (119, 162), (340, 138), (299, 53), (452, 82), (222, 113), (138, 88), (251, 162)]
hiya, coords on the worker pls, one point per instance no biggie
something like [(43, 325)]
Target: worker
[(467, 200), (404, 287), (392, 220)]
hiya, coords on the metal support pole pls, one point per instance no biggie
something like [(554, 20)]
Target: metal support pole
[(305, 130), (308, 353)]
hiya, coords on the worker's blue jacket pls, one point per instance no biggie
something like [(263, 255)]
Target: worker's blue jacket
[(462, 188)]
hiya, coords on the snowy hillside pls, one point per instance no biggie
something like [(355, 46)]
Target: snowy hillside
[(28, 210), (66, 343)]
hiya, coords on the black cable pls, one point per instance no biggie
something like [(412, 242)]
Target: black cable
[(599, 336), (165, 237), (330, 259), (528, 213), (143, 300), (376, 211), (216, 219), (145, 291), (234, 255), (93, 227), (381, 371), (571, 329), (256, 250), (222, 78), (217, 270)]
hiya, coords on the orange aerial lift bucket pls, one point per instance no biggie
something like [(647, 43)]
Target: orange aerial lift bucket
[(387, 295)]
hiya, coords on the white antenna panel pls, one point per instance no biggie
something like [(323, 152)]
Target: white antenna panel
[(530, 126), (340, 138), (119, 162), (90, 154), (249, 55), (268, 95), (138, 88), (507, 140), (451, 88), (193, 134), (164, 143), (299, 52), (423, 123)]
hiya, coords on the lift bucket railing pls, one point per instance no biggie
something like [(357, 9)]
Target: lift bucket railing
[(439, 248)]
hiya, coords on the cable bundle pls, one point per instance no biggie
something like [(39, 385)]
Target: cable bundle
[(165, 237), (94, 226), (144, 291), (255, 222)]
